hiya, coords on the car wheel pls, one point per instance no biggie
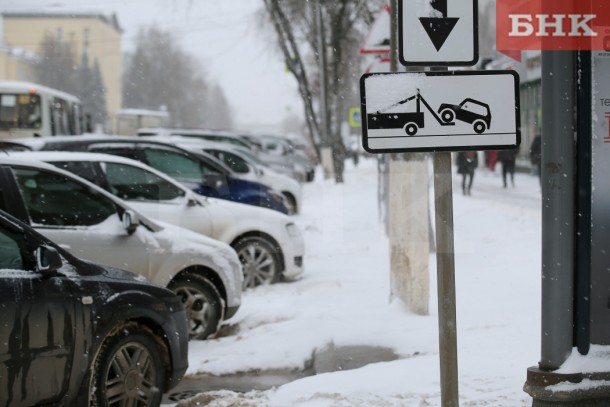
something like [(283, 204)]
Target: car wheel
[(202, 303), (479, 126), (291, 203), (447, 115), (128, 369), (411, 129), (260, 264)]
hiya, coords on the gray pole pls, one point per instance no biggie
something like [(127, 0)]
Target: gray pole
[(558, 151), (445, 271)]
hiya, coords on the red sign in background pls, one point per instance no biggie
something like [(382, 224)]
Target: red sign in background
[(566, 25)]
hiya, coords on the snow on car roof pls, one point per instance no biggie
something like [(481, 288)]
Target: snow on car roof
[(45, 157)]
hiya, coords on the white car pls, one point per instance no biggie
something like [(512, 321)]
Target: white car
[(95, 225), (269, 244), (247, 165)]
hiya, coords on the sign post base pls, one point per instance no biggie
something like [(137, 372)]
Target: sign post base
[(550, 389)]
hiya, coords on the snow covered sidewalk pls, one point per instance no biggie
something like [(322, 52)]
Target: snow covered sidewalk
[(343, 300)]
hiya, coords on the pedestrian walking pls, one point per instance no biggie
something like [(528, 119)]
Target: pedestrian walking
[(508, 158), (467, 162), (536, 155)]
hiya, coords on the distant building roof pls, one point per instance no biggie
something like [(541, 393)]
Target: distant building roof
[(110, 20)]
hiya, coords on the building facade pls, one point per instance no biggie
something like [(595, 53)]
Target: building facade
[(96, 34), (530, 89)]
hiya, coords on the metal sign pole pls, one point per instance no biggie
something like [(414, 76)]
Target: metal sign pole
[(445, 269)]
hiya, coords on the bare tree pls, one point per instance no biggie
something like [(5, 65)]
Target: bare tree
[(160, 73), (59, 69), (299, 40), (58, 64), (217, 114)]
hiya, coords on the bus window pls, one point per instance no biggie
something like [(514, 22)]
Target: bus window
[(22, 111), (61, 117), (77, 118)]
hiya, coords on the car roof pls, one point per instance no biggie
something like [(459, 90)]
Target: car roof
[(75, 156), (41, 143), (176, 131)]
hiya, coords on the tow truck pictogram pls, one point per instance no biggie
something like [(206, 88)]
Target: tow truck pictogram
[(411, 122)]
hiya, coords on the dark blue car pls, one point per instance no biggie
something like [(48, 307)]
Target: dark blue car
[(201, 172)]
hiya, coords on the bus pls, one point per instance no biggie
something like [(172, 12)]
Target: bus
[(32, 110)]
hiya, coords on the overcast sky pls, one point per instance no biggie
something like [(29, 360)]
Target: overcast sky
[(224, 35)]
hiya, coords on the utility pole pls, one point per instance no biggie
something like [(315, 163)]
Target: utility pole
[(408, 214)]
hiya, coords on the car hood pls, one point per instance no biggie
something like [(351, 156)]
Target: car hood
[(279, 181), (242, 183), (181, 241)]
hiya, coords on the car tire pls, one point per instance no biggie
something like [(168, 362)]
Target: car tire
[(128, 369), (291, 203), (447, 115), (411, 129), (202, 303), (479, 126), (259, 259)]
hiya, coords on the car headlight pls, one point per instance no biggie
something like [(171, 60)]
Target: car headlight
[(292, 230)]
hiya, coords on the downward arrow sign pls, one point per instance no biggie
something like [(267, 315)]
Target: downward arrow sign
[(438, 28)]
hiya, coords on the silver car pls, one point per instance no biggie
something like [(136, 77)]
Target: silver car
[(269, 244), (94, 225)]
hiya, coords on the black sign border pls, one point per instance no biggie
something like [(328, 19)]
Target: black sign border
[(475, 39), (363, 116)]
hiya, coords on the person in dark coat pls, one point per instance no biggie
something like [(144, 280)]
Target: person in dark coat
[(536, 155), (467, 162), (507, 158)]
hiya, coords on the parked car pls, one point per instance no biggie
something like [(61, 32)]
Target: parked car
[(246, 165), (95, 225), (76, 333), (269, 244), (279, 152), (200, 134), (199, 171), (282, 162)]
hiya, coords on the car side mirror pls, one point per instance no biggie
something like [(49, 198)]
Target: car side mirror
[(192, 201), (48, 260), (130, 221)]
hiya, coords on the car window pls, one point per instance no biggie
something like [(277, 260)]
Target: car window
[(234, 162), (475, 108), (81, 168), (10, 252), (174, 164), (252, 157), (133, 183), (55, 200), (121, 151)]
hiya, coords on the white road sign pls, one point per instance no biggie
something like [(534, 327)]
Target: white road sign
[(440, 111), (438, 32)]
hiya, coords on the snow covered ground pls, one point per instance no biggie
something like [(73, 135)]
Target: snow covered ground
[(343, 299)]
